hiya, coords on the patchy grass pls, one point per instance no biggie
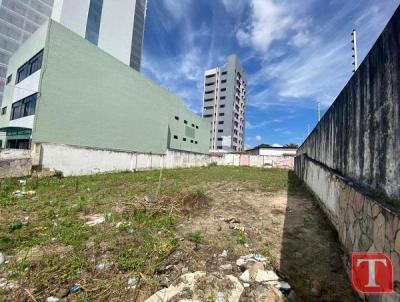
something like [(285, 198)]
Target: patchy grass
[(196, 237), (50, 247)]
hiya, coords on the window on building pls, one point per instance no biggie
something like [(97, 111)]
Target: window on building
[(210, 91), (222, 106), (207, 115), (177, 118), (193, 125), (185, 121), (219, 147), (221, 122), (222, 114), (224, 72), (210, 84), (175, 136), (191, 141), (30, 67), (223, 81), (1, 144), (93, 21), (9, 78), (208, 100), (184, 139), (220, 130), (197, 127), (3, 110), (195, 142), (223, 89), (219, 139), (222, 98), (210, 76), (24, 107)]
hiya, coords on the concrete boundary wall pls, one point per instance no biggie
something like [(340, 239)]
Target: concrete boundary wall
[(15, 163), (364, 223), (71, 160)]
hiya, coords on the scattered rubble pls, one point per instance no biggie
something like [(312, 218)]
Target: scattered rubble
[(226, 267), (201, 286), (52, 299), (7, 284)]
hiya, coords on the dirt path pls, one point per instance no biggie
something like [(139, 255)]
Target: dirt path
[(286, 227)]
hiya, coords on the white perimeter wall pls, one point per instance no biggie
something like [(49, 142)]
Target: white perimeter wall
[(82, 161)]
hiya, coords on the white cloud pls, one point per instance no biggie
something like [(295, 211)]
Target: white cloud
[(317, 63), (269, 22), (234, 7), (277, 145)]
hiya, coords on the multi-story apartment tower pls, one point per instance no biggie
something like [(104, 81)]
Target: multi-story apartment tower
[(19, 19), (117, 27), (224, 105)]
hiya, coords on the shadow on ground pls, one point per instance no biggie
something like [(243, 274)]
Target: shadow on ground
[(311, 257)]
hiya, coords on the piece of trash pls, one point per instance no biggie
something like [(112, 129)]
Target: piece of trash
[(75, 289), (52, 299), (220, 297), (103, 266), (132, 281), (17, 194), (31, 193), (95, 220), (2, 258), (284, 287), (224, 254)]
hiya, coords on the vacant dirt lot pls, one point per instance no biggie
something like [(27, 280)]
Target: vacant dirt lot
[(122, 237)]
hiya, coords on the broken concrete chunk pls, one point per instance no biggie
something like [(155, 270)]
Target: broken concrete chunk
[(245, 277), (266, 276), (226, 267)]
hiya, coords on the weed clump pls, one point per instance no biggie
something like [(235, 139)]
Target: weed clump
[(196, 237)]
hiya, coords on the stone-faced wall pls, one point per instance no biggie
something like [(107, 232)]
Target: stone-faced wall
[(359, 136), (364, 222)]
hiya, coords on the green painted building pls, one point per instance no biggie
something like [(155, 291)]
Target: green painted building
[(64, 90)]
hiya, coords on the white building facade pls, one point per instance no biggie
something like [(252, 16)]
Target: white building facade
[(224, 106), (117, 27)]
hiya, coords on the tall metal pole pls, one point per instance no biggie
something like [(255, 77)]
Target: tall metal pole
[(355, 55)]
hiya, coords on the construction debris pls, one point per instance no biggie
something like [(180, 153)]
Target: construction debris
[(95, 219)]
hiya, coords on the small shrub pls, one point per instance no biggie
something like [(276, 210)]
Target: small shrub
[(241, 238), (16, 224), (196, 237), (212, 164), (58, 174), (194, 202)]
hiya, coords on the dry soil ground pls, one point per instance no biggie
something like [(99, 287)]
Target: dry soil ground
[(157, 226)]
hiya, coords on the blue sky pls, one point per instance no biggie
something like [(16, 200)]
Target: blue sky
[(294, 52)]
